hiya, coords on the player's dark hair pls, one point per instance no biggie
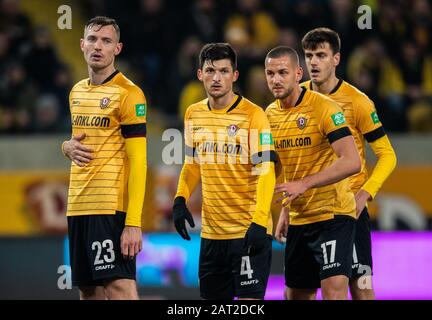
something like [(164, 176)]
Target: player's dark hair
[(103, 21), (283, 51), (318, 36), (217, 51)]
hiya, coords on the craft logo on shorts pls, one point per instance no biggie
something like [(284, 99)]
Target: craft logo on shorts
[(232, 130), (301, 123), (104, 102)]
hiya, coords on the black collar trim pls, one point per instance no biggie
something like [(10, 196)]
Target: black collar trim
[(337, 86), (300, 98), (235, 104)]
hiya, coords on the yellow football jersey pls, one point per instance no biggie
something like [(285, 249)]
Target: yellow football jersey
[(302, 138), (227, 144), (107, 114), (362, 119)]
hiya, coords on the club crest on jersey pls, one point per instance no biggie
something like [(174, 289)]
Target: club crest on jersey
[(104, 102), (301, 122), (232, 130)]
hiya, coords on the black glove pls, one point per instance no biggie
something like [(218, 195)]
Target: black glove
[(255, 238), (180, 214)]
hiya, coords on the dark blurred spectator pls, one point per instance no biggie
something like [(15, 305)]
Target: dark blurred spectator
[(251, 30), (392, 23), (17, 96), (421, 24), (5, 55), (343, 18), (371, 70), (204, 21), (15, 24), (47, 117), (150, 40), (416, 72), (191, 89), (41, 60), (256, 87), (61, 87), (420, 116)]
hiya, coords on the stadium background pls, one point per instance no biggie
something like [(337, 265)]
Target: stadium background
[(39, 63)]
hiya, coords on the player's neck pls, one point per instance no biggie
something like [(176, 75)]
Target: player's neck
[(97, 77), (292, 99), (221, 102), (327, 86)]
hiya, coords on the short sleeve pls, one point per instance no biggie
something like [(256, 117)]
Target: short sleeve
[(133, 113), (260, 138), (332, 121), (367, 120)]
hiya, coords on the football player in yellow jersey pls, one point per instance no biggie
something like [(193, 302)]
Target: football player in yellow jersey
[(322, 54), (317, 152), (108, 170), (229, 147)]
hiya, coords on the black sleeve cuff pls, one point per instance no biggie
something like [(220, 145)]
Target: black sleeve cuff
[(179, 201), (265, 156), (134, 130), (338, 134), (374, 134)]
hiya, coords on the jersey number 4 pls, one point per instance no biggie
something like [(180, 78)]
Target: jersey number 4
[(245, 268), (107, 258)]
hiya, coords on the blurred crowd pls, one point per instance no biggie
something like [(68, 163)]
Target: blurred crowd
[(392, 62)]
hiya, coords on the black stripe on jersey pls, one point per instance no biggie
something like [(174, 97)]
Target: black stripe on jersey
[(265, 156), (134, 130), (338, 134), (337, 86), (375, 134), (300, 98)]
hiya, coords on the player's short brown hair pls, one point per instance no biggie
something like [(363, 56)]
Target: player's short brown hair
[(317, 36), (103, 21), (282, 51)]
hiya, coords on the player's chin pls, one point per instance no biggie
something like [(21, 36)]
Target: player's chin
[(279, 94), (97, 64), (217, 93)]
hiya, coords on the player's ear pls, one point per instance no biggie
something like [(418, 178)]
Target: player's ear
[(118, 48), (236, 75), (299, 74), (336, 59), (82, 44), (199, 75)]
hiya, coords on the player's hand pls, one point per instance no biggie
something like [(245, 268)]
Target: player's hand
[(255, 238), (181, 214), (76, 151), (282, 226), (290, 191), (361, 197), (131, 242)]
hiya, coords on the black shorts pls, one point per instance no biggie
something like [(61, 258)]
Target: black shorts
[(317, 251), (226, 271), (94, 249), (362, 251)]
